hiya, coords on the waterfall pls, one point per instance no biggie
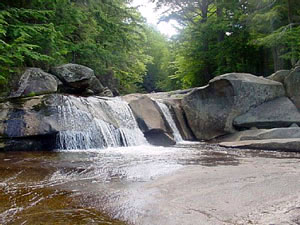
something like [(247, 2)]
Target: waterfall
[(168, 116), (96, 123)]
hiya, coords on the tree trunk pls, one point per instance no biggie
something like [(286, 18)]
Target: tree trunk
[(291, 21)]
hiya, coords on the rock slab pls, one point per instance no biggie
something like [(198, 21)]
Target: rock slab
[(210, 110), (150, 120), (291, 144), (292, 85), (262, 134), (280, 112), (35, 81)]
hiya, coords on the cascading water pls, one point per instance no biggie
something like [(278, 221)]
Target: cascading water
[(97, 123), (168, 116)]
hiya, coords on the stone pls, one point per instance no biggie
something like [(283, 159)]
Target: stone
[(280, 112), (74, 76), (292, 85), (210, 110), (107, 92), (291, 144), (35, 81), (149, 117), (180, 118), (95, 85), (279, 75), (262, 134), (159, 138), (294, 125)]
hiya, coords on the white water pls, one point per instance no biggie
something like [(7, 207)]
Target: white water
[(97, 123), (168, 116)]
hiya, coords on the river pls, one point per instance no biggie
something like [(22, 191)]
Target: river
[(191, 183)]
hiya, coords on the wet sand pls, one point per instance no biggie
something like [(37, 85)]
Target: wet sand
[(188, 184)]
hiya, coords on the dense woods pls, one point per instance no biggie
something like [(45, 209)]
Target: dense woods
[(219, 36), (112, 38)]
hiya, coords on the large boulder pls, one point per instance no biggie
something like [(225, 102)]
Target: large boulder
[(292, 85), (150, 119), (74, 75), (35, 82), (78, 79), (280, 112), (279, 75), (210, 110), (95, 85), (292, 144), (175, 106)]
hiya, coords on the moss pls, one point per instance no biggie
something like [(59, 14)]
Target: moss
[(31, 94)]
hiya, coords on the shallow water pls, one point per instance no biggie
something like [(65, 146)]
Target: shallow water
[(86, 187)]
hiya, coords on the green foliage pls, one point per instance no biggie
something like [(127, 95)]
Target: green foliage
[(158, 69), (222, 36), (104, 35)]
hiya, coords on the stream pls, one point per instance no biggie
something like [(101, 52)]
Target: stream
[(108, 186)]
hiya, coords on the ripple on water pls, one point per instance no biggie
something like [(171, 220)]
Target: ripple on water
[(70, 187)]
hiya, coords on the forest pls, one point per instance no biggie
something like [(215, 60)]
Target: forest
[(113, 38)]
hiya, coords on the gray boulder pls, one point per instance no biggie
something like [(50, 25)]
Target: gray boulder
[(74, 76), (159, 138), (95, 85), (35, 82), (292, 144), (179, 117), (280, 112), (279, 76), (150, 119), (292, 85), (107, 92), (210, 110)]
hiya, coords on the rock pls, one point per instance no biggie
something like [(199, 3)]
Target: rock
[(210, 110), (294, 125), (292, 85), (280, 112), (178, 94), (159, 138), (107, 92), (262, 134), (110, 81), (36, 143), (75, 122), (279, 75), (292, 144), (147, 114), (35, 82), (96, 86), (180, 118), (149, 118), (88, 92), (74, 76)]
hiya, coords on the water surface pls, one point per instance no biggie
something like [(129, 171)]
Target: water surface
[(86, 186)]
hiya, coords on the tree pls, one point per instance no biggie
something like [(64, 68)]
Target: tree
[(215, 39), (158, 71), (107, 36)]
